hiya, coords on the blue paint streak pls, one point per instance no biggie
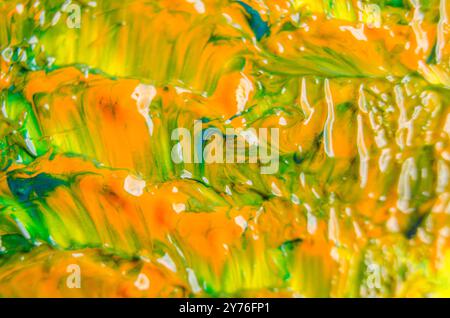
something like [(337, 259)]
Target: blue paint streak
[(24, 188), (260, 28)]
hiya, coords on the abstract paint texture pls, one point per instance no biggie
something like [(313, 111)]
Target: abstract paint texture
[(347, 102)]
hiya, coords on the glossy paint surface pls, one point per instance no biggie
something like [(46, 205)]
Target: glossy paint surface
[(360, 93)]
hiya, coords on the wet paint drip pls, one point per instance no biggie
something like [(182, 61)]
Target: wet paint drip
[(93, 204)]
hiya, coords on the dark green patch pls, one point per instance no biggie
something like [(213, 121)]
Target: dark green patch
[(343, 107)]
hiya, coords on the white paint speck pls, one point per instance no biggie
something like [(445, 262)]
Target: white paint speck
[(167, 261), (19, 8), (239, 220), (179, 207), (134, 186)]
